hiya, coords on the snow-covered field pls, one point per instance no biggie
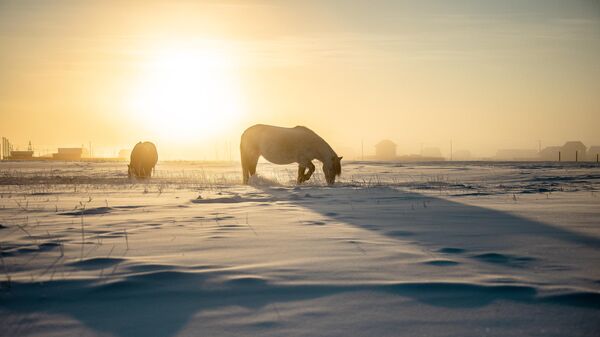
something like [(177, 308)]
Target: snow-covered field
[(440, 249)]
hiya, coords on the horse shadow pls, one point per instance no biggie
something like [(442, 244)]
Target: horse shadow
[(426, 219)]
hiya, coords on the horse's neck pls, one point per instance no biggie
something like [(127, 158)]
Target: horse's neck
[(325, 152)]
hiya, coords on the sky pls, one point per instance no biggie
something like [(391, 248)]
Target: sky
[(192, 75)]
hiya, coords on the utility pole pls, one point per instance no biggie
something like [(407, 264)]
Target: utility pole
[(362, 150)]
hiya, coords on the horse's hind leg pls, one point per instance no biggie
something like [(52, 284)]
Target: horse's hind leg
[(249, 161), (252, 166), (245, 173)]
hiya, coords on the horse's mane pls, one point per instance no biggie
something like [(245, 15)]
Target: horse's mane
[(311, 132), (314, 134), (302, 127)]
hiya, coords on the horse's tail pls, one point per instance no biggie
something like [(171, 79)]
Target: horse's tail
[(245, 172), (249, 153), (245, 158)]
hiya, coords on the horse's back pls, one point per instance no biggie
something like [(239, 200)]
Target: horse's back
[(277, 144), (143, 158), (263, 130), (145, 151)]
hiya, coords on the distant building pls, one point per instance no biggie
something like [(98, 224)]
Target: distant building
[(432, 152), (418, 158), (385, 150), (550, 153), (21, 155), (124, 153), (593, 153), (573, 151), (6, 148), (72, 153), (461, 155), (516, 154)]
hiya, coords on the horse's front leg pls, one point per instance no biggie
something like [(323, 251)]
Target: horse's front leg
[(311, 170), (301, 176)]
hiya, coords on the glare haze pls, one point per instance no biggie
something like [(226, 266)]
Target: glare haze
[(191, 76)]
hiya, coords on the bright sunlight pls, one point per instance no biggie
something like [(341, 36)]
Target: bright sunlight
[(186, 94)]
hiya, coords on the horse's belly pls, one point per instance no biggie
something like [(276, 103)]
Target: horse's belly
[(279, 155), (279, 159)]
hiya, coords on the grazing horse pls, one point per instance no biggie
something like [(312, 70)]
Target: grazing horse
[(143, 160), (285, 146)]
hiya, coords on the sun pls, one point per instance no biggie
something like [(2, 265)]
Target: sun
[(187, 93)]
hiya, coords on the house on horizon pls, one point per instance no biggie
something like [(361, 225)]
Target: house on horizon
[(462, 155), (385, 150), (516, 154), (593, 153), (70, 153), (21, 155), (431, 152), (549, 153), (124, 153), (573, 151)]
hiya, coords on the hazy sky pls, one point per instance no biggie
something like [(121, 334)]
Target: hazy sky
[(190, 76)]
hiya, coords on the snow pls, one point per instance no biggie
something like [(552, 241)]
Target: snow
[(424, 249)]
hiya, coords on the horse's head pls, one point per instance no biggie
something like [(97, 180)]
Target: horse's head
[(130, 171), (332, 169)]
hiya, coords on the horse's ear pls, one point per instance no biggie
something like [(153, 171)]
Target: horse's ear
[(340, 158)]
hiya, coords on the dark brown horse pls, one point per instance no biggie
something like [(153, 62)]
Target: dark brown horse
[(285, 146), (143, 160)]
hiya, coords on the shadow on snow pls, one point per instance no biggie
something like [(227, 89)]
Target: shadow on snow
[(161, 302)]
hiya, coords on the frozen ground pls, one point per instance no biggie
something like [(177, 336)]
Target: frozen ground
[(445, 249)]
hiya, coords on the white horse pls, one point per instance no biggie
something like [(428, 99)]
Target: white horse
[(285, 146)]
